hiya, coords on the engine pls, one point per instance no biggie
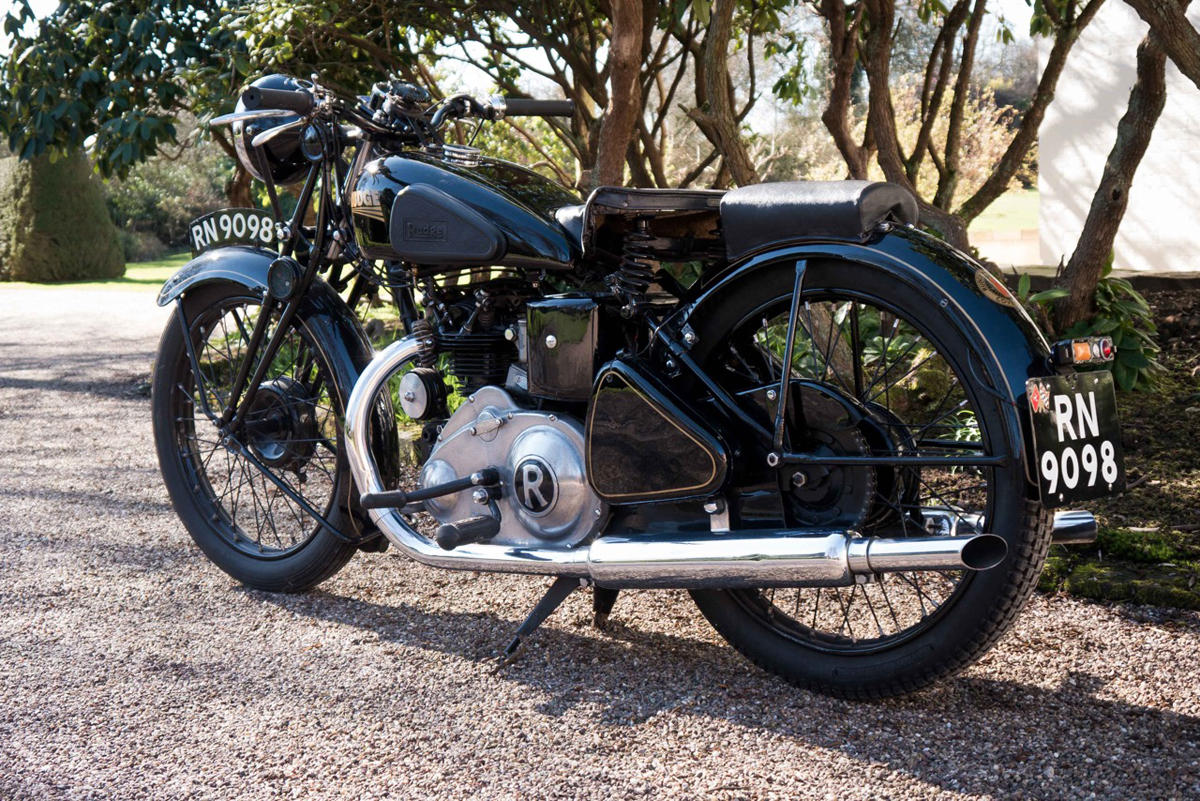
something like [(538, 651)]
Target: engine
[(544, 498), (512, 355)]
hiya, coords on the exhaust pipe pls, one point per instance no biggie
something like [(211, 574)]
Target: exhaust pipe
[(776, 559), (679, 560)]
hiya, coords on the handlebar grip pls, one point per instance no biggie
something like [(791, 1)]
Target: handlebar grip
[(256, 97), (530, 107)]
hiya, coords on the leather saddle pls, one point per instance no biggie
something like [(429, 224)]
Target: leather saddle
[(755, 217)]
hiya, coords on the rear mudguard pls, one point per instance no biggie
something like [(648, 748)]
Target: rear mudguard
[(328, 319), (1010, 344)]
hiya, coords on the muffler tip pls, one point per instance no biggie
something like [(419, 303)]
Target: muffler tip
[(984, 552)]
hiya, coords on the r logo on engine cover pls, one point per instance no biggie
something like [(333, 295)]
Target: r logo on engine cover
[(535, 486)]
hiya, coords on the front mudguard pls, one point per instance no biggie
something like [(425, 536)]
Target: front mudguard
[(1011, 346), (329, 320)]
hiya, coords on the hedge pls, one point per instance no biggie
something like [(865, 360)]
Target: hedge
[(54, 225)]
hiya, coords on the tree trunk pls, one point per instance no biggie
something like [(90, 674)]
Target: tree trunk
[(952, 227), (881, 120), (1146, 102), (237, 189), (948, 178), (843, 58), (1178, 39), (625, 98), (719, 121)]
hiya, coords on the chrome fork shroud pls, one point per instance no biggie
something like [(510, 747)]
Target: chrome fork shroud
[(668, 560)]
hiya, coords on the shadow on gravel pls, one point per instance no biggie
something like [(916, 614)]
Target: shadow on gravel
[(627, 676), (125, 387), (99, 501)]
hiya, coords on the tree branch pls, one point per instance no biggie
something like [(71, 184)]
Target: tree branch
[(1018, 149), (1146, 102)]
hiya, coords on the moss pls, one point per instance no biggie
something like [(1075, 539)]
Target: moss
[(54, 225), (1162, 585), (1054, 573), (1145, 547)]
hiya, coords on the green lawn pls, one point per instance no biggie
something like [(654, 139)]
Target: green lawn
[(1015, 210), (146, 276)]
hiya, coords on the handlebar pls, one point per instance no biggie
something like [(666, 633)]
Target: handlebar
[(256, 97), (531, 107)]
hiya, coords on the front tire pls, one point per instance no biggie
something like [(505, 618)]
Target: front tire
[(856, 317), (234, 512)]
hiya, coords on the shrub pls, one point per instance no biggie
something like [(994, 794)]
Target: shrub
[(137, 246), (53, 223), (164, 194), (1122, 313)]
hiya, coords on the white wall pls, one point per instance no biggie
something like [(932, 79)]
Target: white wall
[(1159, 231)]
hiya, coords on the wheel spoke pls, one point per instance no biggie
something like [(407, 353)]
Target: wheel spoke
[(891, 372), (255, 514)]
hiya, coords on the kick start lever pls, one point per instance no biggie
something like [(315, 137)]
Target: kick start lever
[(397, 499)]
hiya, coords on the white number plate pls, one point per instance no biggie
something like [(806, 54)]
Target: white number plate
[(233, 227)]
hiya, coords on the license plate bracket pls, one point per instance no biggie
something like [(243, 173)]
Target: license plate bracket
[(1076, 437)]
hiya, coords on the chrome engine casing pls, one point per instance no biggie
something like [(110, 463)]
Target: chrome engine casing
[(545, 498)]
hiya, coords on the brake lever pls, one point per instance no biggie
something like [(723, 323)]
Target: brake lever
[(269, 134)]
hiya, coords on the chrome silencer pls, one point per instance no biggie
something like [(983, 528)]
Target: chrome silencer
[(1074, 527), (680, 560), (777, 559)]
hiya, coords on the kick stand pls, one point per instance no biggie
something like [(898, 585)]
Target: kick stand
[(558, 592), (603, 600)]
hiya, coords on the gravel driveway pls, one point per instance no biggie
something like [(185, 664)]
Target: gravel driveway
[(129, 666)]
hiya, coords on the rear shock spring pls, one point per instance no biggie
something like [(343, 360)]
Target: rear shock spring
[(632, 279), (426, 344)]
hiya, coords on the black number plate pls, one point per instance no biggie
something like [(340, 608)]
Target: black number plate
[(1076, 437), (233, 227)]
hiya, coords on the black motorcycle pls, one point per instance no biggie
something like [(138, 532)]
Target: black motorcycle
[(840, 434)]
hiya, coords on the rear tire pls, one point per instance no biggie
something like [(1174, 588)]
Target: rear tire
[(981, 606), (238, 518)]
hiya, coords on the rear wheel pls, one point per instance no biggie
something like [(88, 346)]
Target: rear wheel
[(883, 372), (246, 513)]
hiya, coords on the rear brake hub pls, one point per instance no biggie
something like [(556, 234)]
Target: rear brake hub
[(829, 495)]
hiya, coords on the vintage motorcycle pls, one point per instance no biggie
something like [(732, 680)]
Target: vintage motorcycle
[(841, 435)]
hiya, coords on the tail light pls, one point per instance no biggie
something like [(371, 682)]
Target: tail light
[(1088, 350)]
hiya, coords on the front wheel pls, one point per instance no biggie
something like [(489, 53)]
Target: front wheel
[(871, 349), (245, 514)]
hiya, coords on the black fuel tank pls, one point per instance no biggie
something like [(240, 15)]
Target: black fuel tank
[(494, 213)]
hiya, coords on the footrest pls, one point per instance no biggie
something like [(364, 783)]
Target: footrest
[(396, 499), (465, 532)]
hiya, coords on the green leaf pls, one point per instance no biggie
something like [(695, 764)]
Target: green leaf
[(1047, 295), (1023, 287), (1134, 358), (1125, 376)]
